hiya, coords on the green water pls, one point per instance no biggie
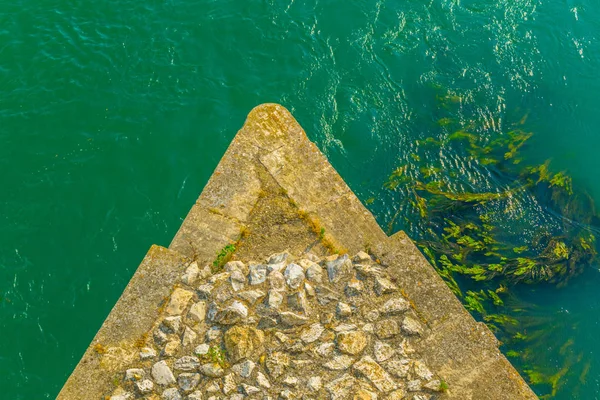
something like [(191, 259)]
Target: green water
[(113, 115)]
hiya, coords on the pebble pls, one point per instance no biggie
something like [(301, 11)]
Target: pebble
[(314, 274), (232, 314), (376, 375), (212, 370), (387, 328), (251, 296), (341, 388), (338, 268), (325, 349), (361, 257), (314, 383), (343, 310), (191, 274), (171, 324), (262, 380), (197, 395), (312, 333), (244, 369), (238, 280), (276, 364), (162, 374), (292, 319), (351, 342), (229, 384), (189, 337), (197, 311), (276, 281), (383, 351), (354, 287), (135, 374), (298, 302), (205, 290), (171, 348), (274, 299)]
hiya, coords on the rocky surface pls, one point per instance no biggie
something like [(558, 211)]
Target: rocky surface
[(284, 328)]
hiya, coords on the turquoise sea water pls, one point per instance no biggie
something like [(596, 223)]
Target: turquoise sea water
[(113, 115)]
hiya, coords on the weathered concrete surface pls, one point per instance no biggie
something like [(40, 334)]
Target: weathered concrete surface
[(272, 190)]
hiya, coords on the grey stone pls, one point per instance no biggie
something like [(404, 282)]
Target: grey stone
[(145, 386), (345, 328), (294, 275), (314, 274), (411, 326), (258, 274), (160, 337), (187, 363), (162, 374), (325, 349), (171, 394), (232, 314), (278, 258), (188, 381), (310, 291), (249, 390), (354, 287), (205, 290), (395, 306), (325, 295), (298, 302), (212, 370), (372, 315), (286, 394), (218, 278), (243, 342), (291, 381), (384, 286), (235, 266), (213, 333), (338, 269), (244, 369)]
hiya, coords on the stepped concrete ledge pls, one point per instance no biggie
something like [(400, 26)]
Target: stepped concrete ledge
[(383, 321)]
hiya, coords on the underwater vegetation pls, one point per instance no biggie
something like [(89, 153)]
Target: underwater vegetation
[(468, 216)]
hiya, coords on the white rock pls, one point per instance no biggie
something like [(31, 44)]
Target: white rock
[(197, 311), (135, 374), (249, 390), (258, 274), (189, 337), (212, 370), (147, 353), (395, 306), (187, 363), (382, 351), (314, 384), (238, 280), (294, 276), (171, 324), (422, 371), (235, 266), (384, 286), (162, 374), (325, 349), (197, 395), (339, 363), (343, 310), (191, 274), (179, 301), (411, 326), (312, 333), (274, 299), (202, 349), (361, 257), (232, 314), (251, 296), (171, 394), (229, 384), (262, 380), (145, 386)]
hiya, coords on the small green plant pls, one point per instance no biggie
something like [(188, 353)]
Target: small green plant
[(322, 234), (443, 386), (216, 355), (223, 257)]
